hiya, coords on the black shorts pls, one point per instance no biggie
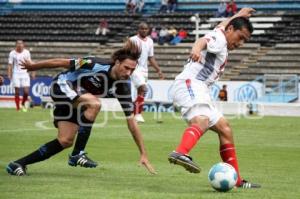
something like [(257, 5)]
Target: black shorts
[(64, 98)]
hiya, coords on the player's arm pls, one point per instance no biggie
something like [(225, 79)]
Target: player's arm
[(9, 71), (33, 73), (49, 63), (198, 46), (244, 12), (137, 137), (154, 64), (201, 43)]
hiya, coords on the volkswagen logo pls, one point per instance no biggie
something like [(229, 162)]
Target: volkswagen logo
[(246, 93)]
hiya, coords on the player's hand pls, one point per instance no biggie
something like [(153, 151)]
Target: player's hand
[(161, 75), (1, 80), (246, 12), (145, 162), (27, 65), (195, 56)]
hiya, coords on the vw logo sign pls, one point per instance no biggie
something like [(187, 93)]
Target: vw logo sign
[(214, 92), (246, 93)]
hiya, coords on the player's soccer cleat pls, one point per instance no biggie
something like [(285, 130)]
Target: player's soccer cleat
[(82, 160), (139, 118), (185, 161), (24, 108), (248, 185), (16, 169)]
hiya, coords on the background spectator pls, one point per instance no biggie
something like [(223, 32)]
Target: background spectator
[(164, 6), (231, 8), (221, 12), (102, 28), (172, 32), (182, 34), (172, 4), (130, 5), (154, 35), (139, 6), (163, 35), (223, 93)]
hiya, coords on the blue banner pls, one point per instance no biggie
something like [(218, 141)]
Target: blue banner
[(39, 87)]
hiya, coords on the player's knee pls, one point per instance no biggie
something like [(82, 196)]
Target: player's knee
[(65, 142), (226, 132), (142, 90)]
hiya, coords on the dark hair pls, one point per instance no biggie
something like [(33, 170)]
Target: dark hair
[(142, 25), (129, 51), (239, 23)]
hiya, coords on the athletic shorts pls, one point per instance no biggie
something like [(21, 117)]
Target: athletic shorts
[(139, 78), (21, 81), (64, 97), (193, 98)]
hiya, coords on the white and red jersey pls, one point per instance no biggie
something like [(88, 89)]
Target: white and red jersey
[(15, 58), (146, 46), (213, 60)]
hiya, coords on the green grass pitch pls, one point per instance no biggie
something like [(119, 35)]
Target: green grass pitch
[(268, 151)]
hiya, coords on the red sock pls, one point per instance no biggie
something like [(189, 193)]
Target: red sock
[(17, 101), (228, 155), (138, 104), (25, 97), (189, 138)]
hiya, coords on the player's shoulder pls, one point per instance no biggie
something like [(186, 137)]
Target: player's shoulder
[(12, 52), (150, 40)]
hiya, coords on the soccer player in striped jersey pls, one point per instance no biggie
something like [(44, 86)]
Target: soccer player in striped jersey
[(75, 93), (191, 92)]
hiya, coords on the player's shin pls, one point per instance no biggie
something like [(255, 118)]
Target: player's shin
[(228, 155), (189, 139), (138, 104), (82, 139), (44, 152)]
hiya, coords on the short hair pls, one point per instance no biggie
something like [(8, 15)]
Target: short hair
[(143, 24), (129, 51), (21, 40), (241, 22)]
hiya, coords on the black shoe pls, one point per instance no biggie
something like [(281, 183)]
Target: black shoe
[(82, 160), (185, 161), (248, 185), (16, 169)]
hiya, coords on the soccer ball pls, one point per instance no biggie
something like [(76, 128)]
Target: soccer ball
[(222, 177)]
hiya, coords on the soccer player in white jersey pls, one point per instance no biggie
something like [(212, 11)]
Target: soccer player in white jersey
[(191, 92), (140, 75), (19, 77)]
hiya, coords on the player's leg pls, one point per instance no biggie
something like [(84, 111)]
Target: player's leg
[(139, 103), (16, 84), (139, 81), (227, 150), (66, 133), (25, 98), (78, 157), (197, 125)]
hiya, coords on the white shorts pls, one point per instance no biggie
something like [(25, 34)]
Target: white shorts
[(193, 98), (139, 78), (21, 81)]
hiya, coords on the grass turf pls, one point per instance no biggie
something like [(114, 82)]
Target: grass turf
[(268, 151)]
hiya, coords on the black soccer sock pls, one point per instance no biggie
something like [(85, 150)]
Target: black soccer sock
[(82, 139), (44, 152)]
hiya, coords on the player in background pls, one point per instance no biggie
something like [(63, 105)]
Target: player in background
[(75, 93), (191, 92), (20, 78), (140, 75)]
